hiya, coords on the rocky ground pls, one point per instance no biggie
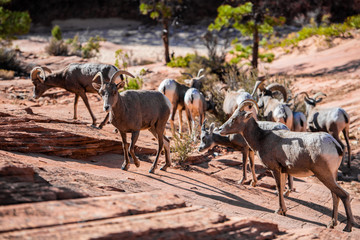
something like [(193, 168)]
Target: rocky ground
[(60, 178)]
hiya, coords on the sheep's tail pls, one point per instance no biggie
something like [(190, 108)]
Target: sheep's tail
[(338, 147), (345, 115)]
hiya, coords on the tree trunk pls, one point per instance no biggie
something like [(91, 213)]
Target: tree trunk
[(255, 53), (165, 38)]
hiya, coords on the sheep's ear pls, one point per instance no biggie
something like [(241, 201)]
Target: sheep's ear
[(120, 85), (212, 127)]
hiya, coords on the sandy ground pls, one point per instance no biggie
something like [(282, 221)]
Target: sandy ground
[(212, 183)]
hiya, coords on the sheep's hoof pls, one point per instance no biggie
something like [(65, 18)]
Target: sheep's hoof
[(253, 183), (281, 212), (348, 227), (287, 193), (242, 181), (125, 167), (332, 224), (163, 168), (94, 126), (152, 170), (137, 163)]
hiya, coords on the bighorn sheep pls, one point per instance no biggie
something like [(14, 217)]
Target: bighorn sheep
[(210, 138), (297, 153), (299, 119), (75, 78), (132, 111), (175, 92), (233, 99), (274, 110), (332, 120), (195, 105)]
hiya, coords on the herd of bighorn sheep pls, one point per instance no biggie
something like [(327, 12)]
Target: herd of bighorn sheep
[(288, 143)]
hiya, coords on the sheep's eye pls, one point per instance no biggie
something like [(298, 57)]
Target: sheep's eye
[(102, 92)]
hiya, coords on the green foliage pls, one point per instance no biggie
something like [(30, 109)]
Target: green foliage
[(353, 22), (134, 83), (92, 47), (241, 18), (12, 23), (157, 10), (56, 33), (122, 59), (182, 147), (181, 61)]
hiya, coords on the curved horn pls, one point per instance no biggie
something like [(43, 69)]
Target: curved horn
[(305, 93), (201, 77), (34, 74), (116, 74), (278, 87), (316, 95), (188, 74), (200, 71), (248, 102), (47, 69), (259, 84), (99, 74)]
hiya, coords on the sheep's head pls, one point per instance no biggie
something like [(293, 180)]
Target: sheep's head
[(195, 82), (314, 100), (265, 93), (206, 137), (109, 91), (38, 78), (237, 122)]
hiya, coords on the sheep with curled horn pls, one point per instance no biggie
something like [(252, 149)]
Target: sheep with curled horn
[(132, 111), (332, 120), (75, 78), (299, 154), (274, 110), (175, 92)]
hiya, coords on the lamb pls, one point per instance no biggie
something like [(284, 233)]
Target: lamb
[(175, 92), (332, 120), (300, 154), (210, 138), (132, 111), (75, 78), (274, 110)]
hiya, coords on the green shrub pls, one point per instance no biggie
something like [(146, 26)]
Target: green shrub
[(122, 59), (181, 61), (92, 47), (57, 48), (56, 33), (182, 147), (134, 83), (353, 21)]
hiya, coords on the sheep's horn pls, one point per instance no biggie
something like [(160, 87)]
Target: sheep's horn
[(34, 74), (188, 74), (99, 74), (259, 84), (248, 102), (278, 87), (319, 94), (47, 69), (200, 71), (201, 77), (305, 93), (116, 74)]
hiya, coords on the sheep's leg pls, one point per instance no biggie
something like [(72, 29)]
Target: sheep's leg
[(280, 184), (346, 136), (329, 180), (126, 163), (75, 105), (134, 138), (245, 154), (189, 120), (180, 120), (160, 139), (252, 167), (106, 119), (290, 185), (172, 118), (86, 101), (334, 218), (167, 154)]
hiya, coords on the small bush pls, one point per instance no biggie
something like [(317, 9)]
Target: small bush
[(182, 147), (9, 61), (56, 33), (57, 48), (181, 61), (134, 84)]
